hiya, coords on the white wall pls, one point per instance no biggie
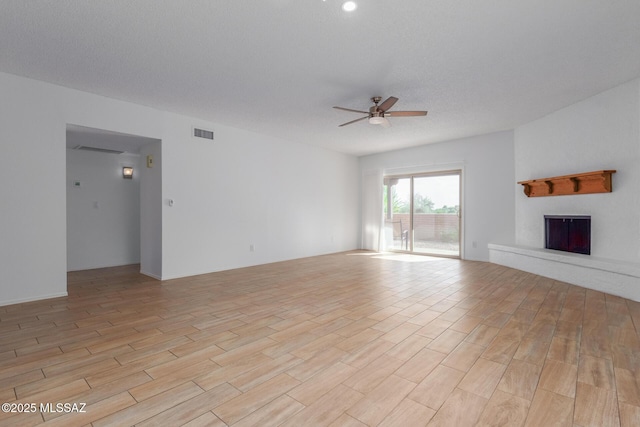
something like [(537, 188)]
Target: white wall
[(487, 180), (151, 210), (33, 260), (289, 200), (601, 132), (103, 213)]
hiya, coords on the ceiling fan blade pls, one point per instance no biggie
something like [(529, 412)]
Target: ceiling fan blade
[(386, 123), (405, 113), (388, 103), (353, 111), (353, 121)]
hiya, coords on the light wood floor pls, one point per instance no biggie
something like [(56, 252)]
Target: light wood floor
[(341, 340)]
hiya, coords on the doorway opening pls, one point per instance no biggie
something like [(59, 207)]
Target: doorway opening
[(422, 213), (113, 200)]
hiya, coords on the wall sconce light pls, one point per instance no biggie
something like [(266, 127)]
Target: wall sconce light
[(127, 172)]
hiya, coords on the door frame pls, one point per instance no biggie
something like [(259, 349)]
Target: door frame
[(411, 176)]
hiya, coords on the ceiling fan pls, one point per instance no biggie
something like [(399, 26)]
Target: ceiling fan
[(378, 114)]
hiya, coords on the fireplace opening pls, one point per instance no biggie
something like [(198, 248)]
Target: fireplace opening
[(568, 233)]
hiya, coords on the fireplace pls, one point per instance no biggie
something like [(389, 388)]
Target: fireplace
[(568, 233)]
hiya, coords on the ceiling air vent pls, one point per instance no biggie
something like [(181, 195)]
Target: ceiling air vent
[(99, 150), (202, 133)]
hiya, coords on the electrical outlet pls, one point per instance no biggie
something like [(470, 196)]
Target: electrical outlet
[(252, 248)]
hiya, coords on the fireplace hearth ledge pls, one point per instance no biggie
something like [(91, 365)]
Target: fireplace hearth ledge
[(615, 277)]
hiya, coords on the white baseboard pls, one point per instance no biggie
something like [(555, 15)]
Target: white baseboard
[(153, 276), (30, 299)]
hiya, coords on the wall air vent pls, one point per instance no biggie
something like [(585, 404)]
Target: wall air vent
[(202, 133), (99, 150)]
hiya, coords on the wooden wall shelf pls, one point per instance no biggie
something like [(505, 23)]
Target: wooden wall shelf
[(581, 183)]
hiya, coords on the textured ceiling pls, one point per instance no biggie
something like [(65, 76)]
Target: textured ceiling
[(277, 67)]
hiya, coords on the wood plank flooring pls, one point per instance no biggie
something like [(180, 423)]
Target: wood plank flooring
[(350, 339)]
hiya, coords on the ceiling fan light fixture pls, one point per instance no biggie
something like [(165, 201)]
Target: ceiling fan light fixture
[(349, 6), (378, 112)]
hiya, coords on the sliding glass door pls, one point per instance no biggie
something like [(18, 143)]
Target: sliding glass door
[(422, 213), (397, 213)]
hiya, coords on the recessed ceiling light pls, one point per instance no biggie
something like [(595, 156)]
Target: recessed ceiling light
[(349, 6)]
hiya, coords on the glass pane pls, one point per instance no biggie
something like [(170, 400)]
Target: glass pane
[(397, 209), (436, 220)]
